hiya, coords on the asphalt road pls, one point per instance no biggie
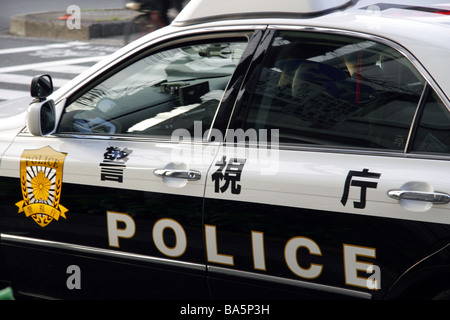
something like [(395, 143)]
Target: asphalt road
[(21, 59)]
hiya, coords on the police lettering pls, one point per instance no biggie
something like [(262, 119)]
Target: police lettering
[(37, 160), (233, 170), (350, 182), (180, 243), (113, 165), (122, 226), (114, 232)]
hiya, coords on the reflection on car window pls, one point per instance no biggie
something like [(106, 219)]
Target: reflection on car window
[(335, 90), (162, 92), (433, 132)]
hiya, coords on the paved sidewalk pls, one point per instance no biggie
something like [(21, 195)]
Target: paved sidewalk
[(94, 24)]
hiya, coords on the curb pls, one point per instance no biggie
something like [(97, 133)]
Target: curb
[(94, 24)]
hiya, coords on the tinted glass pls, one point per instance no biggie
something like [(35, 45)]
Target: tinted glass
[(433, 133), (326, 89), (162, 92)]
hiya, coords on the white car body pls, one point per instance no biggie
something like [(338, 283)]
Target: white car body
[(280, 187)]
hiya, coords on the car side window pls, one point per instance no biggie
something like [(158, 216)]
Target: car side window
[(166, 90), (335, 90), (433, 131)]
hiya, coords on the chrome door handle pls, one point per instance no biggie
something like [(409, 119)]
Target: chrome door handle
[(190, 175), (432, 197)]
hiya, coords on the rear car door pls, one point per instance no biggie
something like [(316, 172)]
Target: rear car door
[(110, 205), (327, 186)]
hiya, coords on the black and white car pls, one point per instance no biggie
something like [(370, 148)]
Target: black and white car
[(256, 149)]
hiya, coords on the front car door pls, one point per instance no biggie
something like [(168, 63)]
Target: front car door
[(327, 185), (110, 206)]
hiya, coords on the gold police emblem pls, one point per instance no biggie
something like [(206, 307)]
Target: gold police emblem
[(41, 181)]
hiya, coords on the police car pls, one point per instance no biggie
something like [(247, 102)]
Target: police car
[(277, 149)]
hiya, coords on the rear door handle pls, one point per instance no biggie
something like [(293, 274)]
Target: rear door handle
[(190, 175), (432, 197)]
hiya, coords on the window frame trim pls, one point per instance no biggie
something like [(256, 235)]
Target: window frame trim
[(139, 52)]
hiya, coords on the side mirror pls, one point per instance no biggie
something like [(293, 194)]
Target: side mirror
[(41, 87), (41, 118)]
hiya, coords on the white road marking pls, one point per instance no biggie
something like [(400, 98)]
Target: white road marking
[(8, 94), (26, 80), (40, 65), (71, 67), (65, 66), (35, 48)]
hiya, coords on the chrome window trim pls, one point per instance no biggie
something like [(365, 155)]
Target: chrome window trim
[(125, 138), (357, 151), (416, 118), (290, 282), (8, 238)]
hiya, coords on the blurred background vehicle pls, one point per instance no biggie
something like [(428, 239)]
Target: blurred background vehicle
[(155, 14)]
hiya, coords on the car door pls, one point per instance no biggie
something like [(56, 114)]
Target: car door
[(110, 205), (324, 187)]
